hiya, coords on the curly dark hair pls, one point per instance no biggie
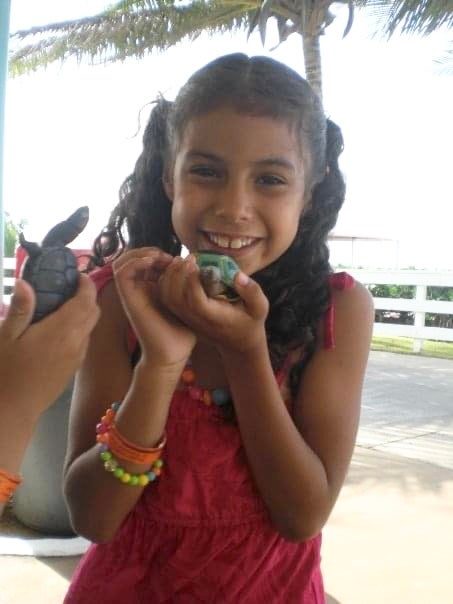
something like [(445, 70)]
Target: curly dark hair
[(297, 283)]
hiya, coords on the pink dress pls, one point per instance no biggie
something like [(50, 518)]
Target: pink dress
[(201, 534)]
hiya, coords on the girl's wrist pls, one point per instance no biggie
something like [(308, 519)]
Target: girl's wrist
[(143, 414), (22, 415), (147, 373), (245, 351)]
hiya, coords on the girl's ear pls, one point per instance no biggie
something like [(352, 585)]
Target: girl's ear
[(168, 185)]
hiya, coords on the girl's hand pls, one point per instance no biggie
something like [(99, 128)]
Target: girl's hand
[(163, 338), (237, 327)]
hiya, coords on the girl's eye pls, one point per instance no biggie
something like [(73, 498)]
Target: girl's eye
[(271, 180), (204, 171)]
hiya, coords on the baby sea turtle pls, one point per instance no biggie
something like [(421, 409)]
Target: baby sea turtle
[(51, 268), (217, 273)]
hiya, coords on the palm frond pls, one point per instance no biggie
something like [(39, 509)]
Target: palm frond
[(411, 16), (127, 29)]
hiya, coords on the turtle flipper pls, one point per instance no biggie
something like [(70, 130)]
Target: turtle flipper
[(32, 248), (64, 232)]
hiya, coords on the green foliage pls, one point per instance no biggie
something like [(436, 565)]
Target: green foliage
[(392, 291), (430, 348), (408, 292), (11, 236), (440, 293), (439, 320), (126, 29), (412, 16)]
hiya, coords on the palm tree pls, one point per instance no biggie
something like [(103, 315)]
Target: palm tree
[(132, 28)]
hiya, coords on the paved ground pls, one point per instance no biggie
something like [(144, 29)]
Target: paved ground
[(407, 407), (388, 540)]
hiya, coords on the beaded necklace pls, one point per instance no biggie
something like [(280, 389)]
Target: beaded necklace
[(220, 397)]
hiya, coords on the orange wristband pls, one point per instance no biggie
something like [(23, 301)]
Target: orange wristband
[(8, 484), (108, 436), (127, 451)]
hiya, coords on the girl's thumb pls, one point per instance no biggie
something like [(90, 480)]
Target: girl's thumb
[(252, 295), (20, 311)]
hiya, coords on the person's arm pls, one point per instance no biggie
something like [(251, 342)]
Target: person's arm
[(300, 463), (36, 363), (97, 501)]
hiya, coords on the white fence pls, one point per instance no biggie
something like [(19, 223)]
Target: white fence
[(418, 305), (8, 281)]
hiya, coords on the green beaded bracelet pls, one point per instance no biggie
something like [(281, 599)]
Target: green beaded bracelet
[(111, 465)]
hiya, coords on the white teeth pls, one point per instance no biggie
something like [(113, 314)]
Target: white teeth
[(223, 241), (235, 243)]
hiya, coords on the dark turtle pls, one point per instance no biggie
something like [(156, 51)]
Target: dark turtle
[(217, 273), (51, 268)]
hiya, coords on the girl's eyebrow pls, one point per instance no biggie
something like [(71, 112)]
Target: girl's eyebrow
[(276, 161), (203, 155), (266, 161)]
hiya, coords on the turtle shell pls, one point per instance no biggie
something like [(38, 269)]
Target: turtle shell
[(54, 276), (217, 272)]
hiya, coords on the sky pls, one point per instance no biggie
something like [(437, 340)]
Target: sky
[(73, 132)]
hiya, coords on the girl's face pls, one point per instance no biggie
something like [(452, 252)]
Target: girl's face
[(237, 187)]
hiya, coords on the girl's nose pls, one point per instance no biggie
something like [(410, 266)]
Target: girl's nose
[(234, 203)]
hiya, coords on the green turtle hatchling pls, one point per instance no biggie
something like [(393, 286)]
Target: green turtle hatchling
[(217, 272), (51, 268)]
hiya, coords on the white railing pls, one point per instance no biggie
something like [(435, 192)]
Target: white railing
[(9, 265), (418, 305)]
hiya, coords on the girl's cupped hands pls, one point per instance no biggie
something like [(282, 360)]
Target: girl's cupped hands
[(164, 339), (232, 327)]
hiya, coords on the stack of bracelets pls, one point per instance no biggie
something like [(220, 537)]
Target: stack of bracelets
[(114, 446), (8, 484)]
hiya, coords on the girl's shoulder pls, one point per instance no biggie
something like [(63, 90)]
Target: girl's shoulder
[(341, 281), (102, 276), (351, 303)]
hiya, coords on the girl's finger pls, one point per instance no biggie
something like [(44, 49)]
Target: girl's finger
[(255, 302), (147, 268), (170, 280), (195, 294), (141, 252)]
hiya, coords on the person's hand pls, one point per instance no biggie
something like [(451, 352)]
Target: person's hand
[(233, 327), (37, 361), (164, 340)]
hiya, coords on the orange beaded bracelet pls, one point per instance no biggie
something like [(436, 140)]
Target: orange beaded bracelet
[(8, 484)]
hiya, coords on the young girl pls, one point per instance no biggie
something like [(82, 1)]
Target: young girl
[(232, 424)]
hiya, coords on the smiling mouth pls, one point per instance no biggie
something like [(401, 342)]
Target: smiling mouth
[(228, 242)]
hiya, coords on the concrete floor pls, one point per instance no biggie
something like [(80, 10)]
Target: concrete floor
[(388, 540)]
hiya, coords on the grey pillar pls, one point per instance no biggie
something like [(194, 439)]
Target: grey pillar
[(39, 503)]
